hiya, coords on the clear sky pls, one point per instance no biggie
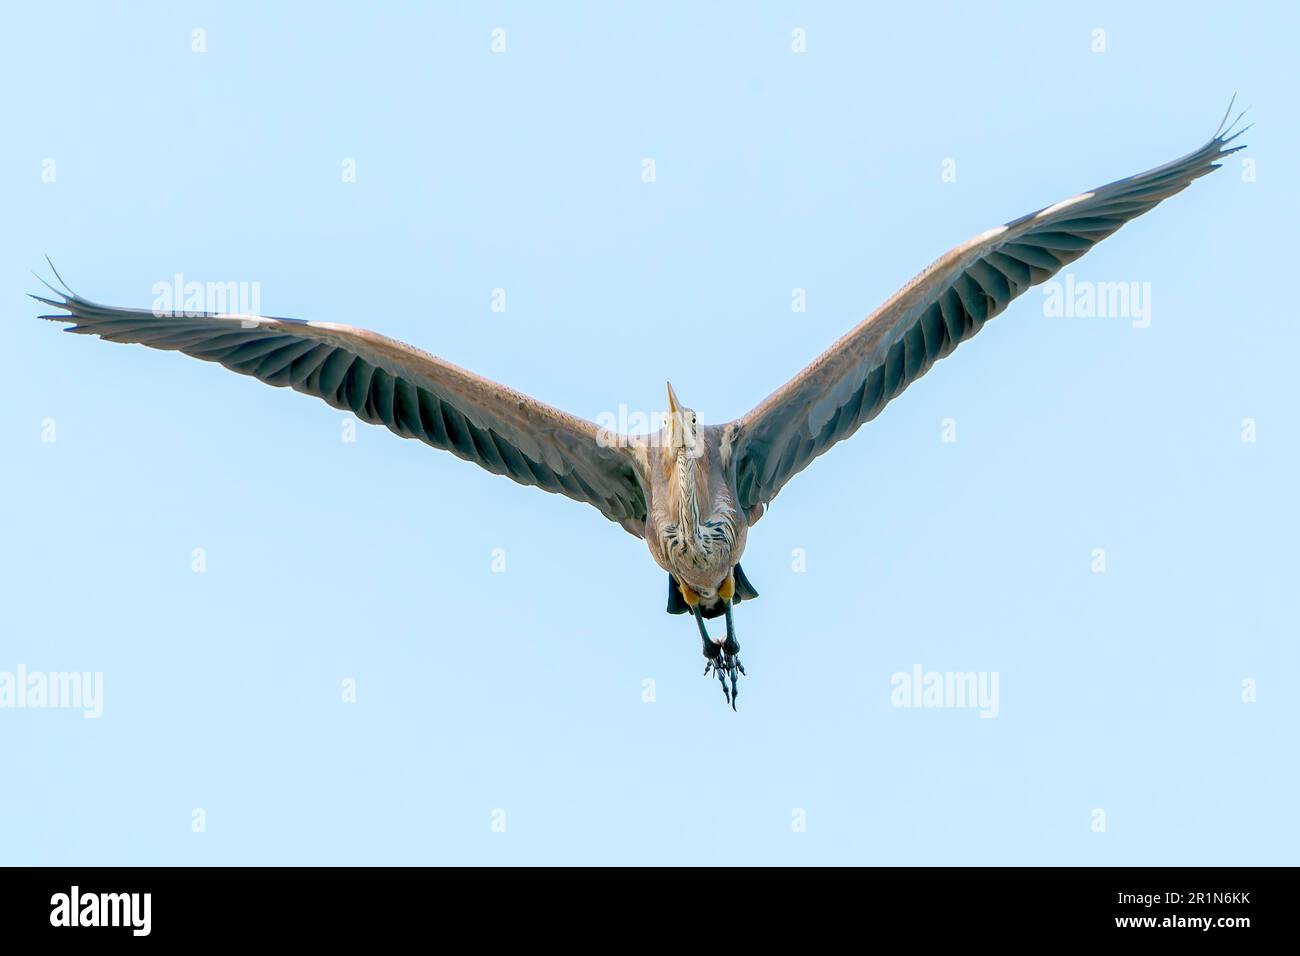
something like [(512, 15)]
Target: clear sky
[(517, 698)]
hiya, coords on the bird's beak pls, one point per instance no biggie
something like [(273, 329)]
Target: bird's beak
[(672, 400)]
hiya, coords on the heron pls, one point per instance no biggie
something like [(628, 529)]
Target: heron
[(691, 490)]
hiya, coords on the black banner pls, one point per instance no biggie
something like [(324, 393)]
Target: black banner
[(1169, 906)]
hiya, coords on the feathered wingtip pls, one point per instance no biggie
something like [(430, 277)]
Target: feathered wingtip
[(1224, 134), (65, 294), (74, 306)]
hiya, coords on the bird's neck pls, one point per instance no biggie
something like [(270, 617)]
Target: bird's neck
[(686, 473)]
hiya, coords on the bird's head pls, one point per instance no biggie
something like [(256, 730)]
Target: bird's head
[(683, 427)]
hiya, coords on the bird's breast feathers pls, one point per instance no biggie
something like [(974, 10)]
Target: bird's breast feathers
[(701, 556)]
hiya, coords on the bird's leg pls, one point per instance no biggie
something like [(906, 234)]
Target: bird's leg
[(731, 645), (731, 656), (721, 657), (711, 648), (692, 599), (712, 653), (727, 591)]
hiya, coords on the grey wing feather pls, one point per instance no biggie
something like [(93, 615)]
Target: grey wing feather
[(386, 382), (946, 304)]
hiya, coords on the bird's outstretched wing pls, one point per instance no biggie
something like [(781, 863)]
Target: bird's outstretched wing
[(946, 304), (386, 382)]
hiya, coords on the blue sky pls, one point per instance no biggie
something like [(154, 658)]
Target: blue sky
[(486, 698)]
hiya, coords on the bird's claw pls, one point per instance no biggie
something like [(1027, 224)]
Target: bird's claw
[(727, 667), (722, 657)]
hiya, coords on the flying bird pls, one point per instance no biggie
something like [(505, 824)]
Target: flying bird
[(692, 491)]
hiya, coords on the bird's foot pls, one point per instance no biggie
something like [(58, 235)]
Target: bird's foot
[(726, 666)]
